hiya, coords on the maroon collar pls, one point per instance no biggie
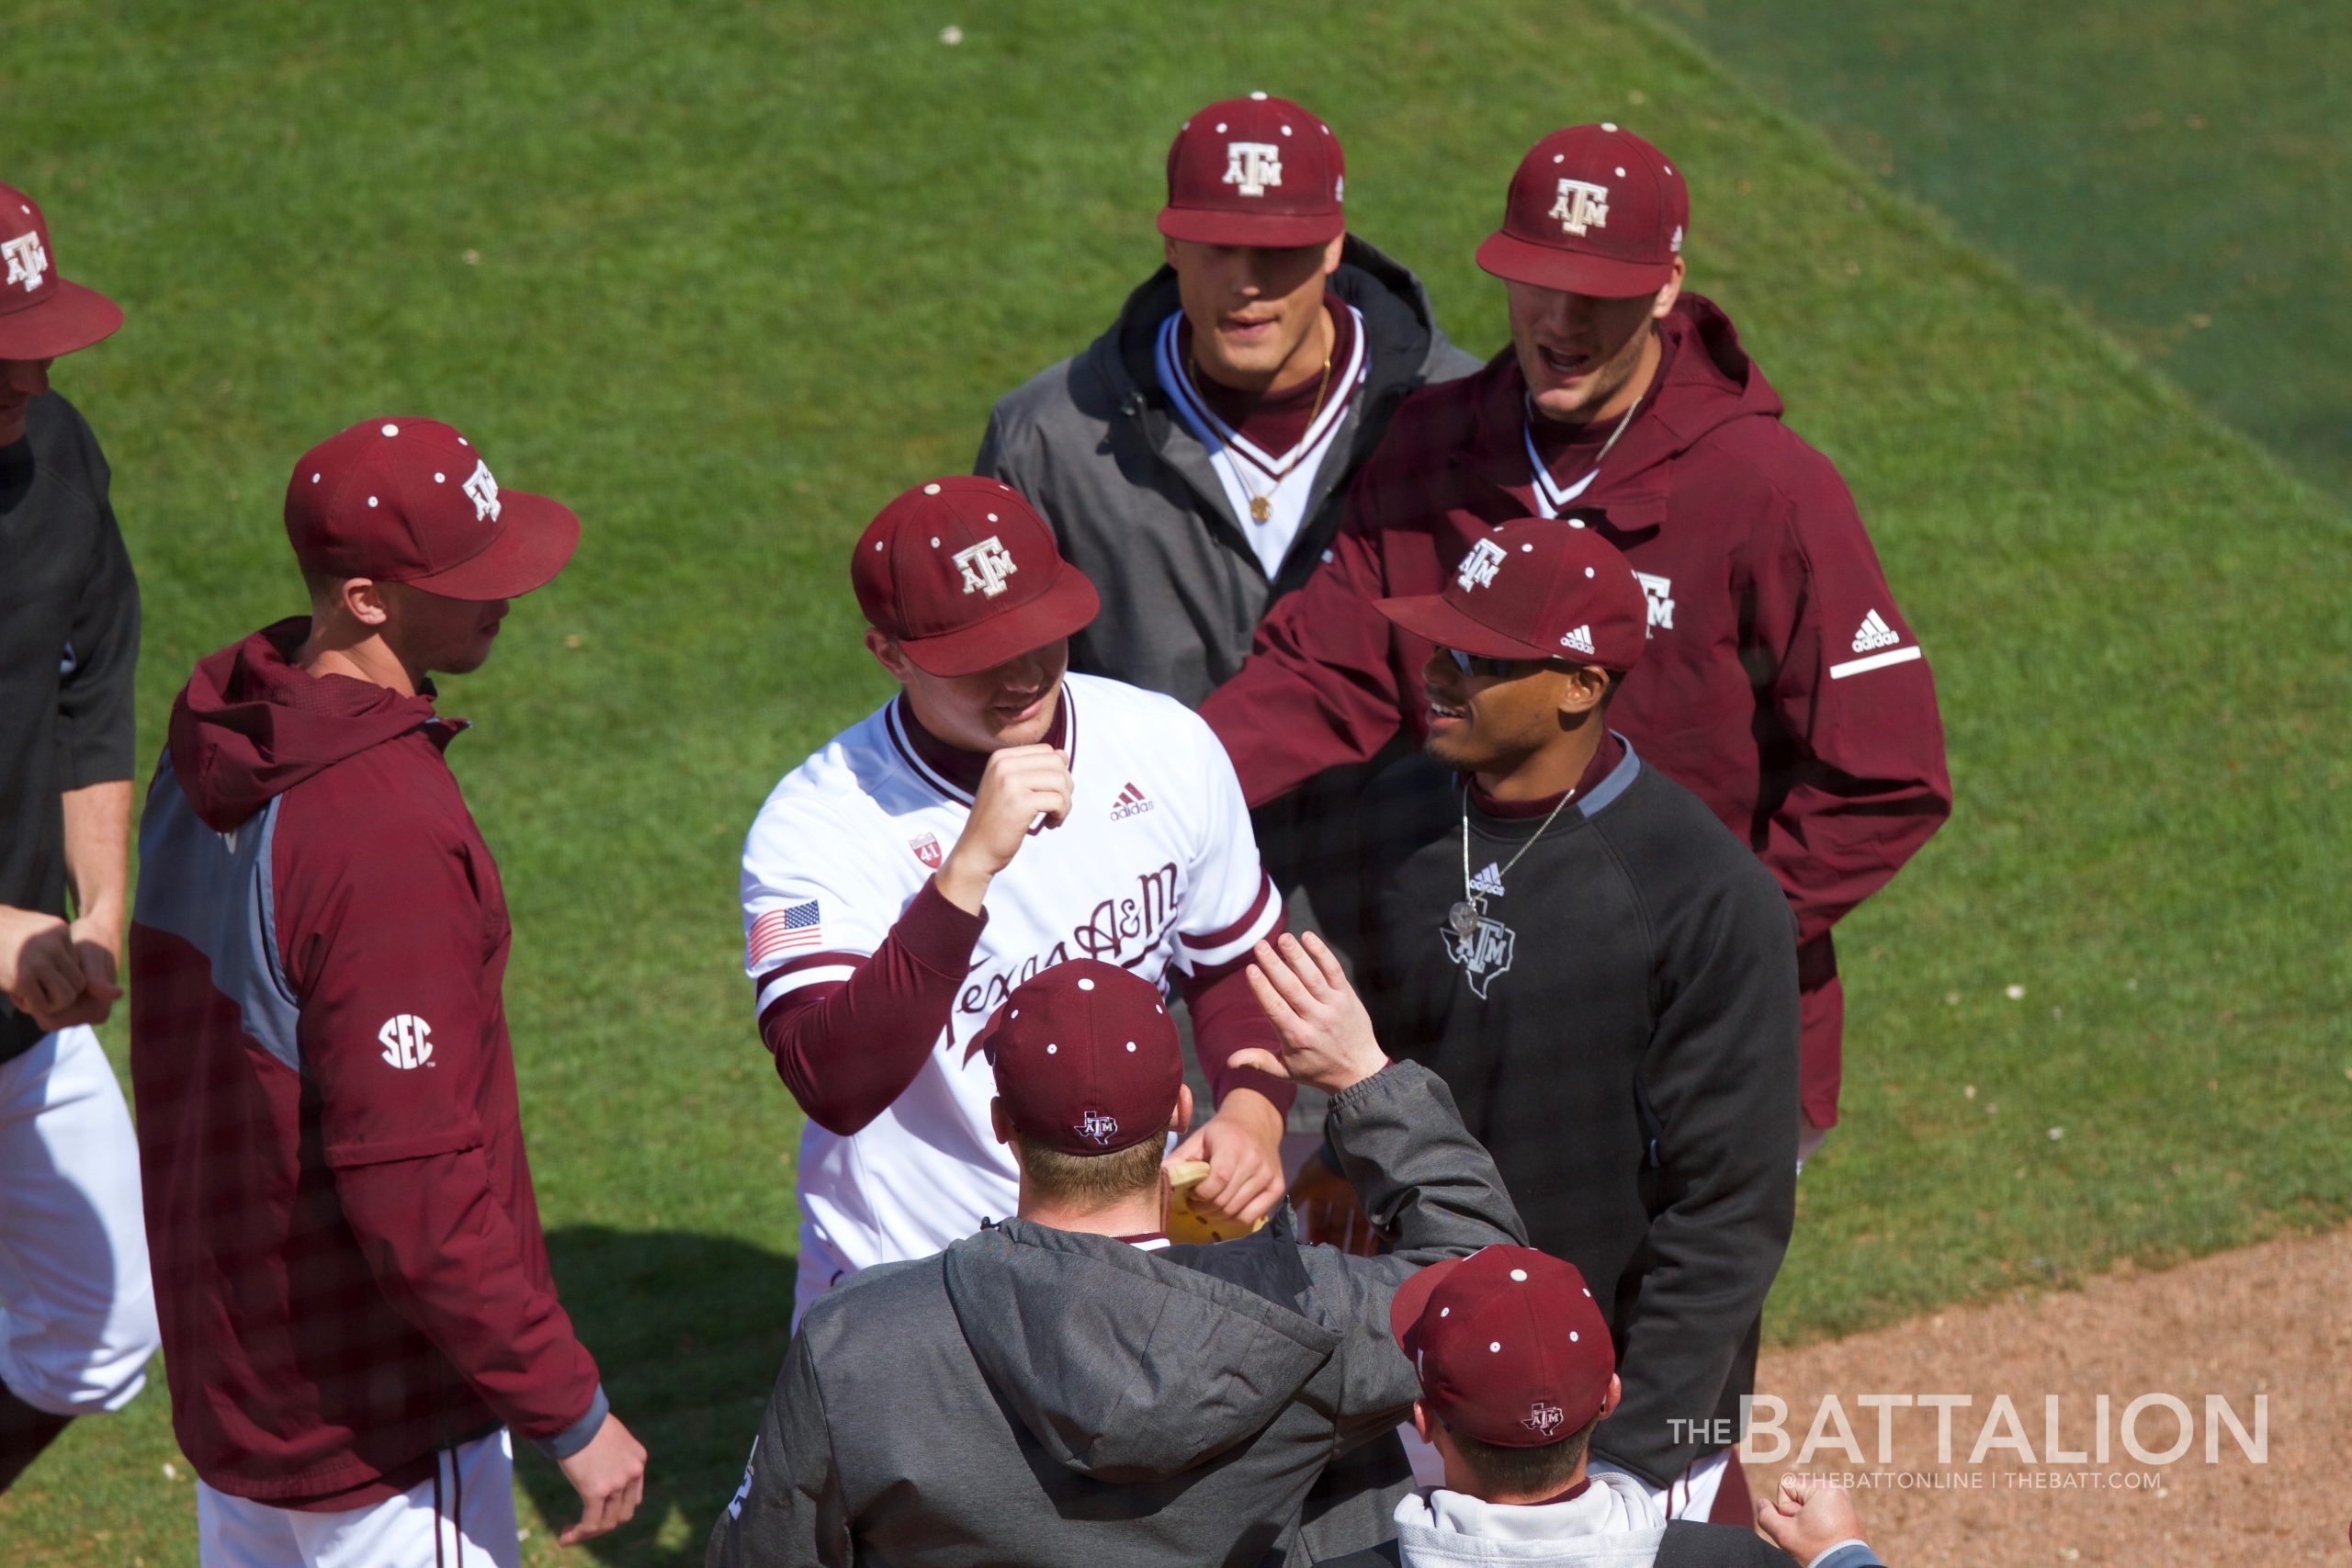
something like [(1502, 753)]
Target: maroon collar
[(1570, 1495), (961, 767), (1605, 758)]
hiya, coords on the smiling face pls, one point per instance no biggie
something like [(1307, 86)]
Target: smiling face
[(21, 380), (1256, 313), (1584, 357), (1503, 722), (1488, 723), (1011, 704)]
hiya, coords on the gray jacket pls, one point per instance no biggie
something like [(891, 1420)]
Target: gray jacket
[(1136, 506), (1049, 1398)]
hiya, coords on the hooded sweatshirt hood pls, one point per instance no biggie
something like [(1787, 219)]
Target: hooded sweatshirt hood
[(250, 724), (1124, 1367), (1612, 1523)]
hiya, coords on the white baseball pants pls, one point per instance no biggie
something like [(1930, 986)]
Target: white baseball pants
[(463, 1517), (77, 1311)]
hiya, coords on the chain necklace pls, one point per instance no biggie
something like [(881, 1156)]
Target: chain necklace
[(1464, 918), (1544, 475), (1261, 507)]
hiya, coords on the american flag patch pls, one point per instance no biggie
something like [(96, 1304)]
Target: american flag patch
[(785, 929)]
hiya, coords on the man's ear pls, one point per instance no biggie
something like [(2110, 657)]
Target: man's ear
[(1331, 253), (1168, 250), (1001, 1125), (1580, 693), (1423, 1421), (362, 598), (1668, 292), (1608, 1404), (1182, 1122), (886, 654)]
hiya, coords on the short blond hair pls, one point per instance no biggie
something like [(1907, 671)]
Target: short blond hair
[(1081, 1181)]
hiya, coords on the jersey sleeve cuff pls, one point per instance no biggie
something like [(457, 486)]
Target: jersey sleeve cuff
[(578, 1436), (1853, 1553), (1208, 950)]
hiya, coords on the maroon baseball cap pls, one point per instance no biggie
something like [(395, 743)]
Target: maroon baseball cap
[(1086, 1058), (1509, 1344), (1535, 588), (1254, 171), (963, 574), (410, 501), (1593, 210), (41, 315)]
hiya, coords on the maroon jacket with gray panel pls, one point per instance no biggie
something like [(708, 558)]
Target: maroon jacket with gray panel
[(1782, 684), (346, 1251)]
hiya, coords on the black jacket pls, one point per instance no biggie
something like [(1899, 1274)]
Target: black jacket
[(69, 646), (1135, 505), (1621, 1031)]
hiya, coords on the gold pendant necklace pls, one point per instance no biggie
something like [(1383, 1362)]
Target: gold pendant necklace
[(1261, 507)]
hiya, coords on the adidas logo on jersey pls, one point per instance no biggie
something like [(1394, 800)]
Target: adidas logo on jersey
[(1875, 632), (1579, 639), (1489, 881), (1132, 802)]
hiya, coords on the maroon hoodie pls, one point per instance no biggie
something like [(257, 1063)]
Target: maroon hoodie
[(1782, 684), (346, 1252)]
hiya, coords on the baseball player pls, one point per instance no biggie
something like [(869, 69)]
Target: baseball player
[(355, 1295), (1193, 460), (1605, 978), (1783, 684), (77, 1318), (998, 817)]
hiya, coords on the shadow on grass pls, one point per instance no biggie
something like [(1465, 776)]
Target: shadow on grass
[(689, 1331)]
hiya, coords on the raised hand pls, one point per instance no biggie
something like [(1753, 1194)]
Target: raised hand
[(1325, 1033)]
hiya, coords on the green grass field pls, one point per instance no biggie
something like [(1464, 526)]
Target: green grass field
[(2178, 169), (727, 277)]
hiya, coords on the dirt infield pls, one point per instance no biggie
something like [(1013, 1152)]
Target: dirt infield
[(2272, 1324)]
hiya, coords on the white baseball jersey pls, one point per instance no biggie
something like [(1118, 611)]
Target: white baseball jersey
[(1155, 867)]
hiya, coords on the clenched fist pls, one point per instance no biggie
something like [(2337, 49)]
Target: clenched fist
[(1020, 784)]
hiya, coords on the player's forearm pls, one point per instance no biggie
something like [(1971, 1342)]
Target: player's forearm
[(97, 851), (1421, 1175), (1317, 690), (450, 1261), (848, 1049)]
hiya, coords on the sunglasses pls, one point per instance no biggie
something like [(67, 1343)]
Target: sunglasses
[(1492, 668)]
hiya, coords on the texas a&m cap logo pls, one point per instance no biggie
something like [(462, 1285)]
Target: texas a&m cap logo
[(1477, 567), (1252, 166), (1582, 206), (1098, 1127), (26, 260), (985, 567)]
